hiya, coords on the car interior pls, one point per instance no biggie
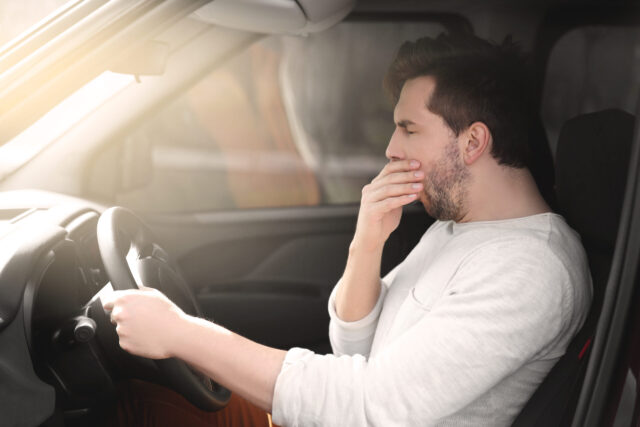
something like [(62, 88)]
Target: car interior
[(236, 137)]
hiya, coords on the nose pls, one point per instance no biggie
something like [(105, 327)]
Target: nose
[(394, 151)]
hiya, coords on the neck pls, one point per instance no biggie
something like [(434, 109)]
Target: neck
[(501, 192)]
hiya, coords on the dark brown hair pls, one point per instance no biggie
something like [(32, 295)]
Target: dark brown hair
[(475, 81)]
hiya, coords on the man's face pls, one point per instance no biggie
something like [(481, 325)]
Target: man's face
[(424, 136)]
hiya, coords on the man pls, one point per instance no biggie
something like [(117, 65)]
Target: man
[(464, 329)]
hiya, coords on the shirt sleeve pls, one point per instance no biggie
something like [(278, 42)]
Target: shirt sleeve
[(353, 337), (356, 337), (502, 308)]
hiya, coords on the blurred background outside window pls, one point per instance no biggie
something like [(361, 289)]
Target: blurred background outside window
[(581, 77), (290, 121)]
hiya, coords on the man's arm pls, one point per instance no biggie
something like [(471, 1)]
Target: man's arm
[(398, 184), (244, 366), (150, 325)]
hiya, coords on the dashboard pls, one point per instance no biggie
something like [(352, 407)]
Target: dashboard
[(50, 275)]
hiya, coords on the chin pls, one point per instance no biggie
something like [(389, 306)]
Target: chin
[(427, 208)]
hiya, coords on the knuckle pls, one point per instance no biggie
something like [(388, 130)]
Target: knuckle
[(384, 192)]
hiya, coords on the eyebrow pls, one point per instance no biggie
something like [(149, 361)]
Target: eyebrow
[(405, 123)]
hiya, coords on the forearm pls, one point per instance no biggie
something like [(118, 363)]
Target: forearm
[(245, 367), (397, 185), (359, 287)]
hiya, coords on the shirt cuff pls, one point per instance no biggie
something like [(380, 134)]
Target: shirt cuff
[(360, 328)]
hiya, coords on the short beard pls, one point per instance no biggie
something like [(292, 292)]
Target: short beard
[(446, 186)]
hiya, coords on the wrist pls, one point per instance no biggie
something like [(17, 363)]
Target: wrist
[(184, 331), (359, 246)]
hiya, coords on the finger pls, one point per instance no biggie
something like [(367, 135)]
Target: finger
[(116, 315), (107, 303), (120, 333), (392, 203), (398, 166), (111, 299), (394, 190), (399, 177)]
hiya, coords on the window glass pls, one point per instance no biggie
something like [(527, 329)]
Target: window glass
[(17, 16), (31, 141), (290, 121), (580, 77)]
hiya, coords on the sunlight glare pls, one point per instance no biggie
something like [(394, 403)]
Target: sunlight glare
[(60, 119)]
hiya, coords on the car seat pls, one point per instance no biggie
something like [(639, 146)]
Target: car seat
[(592, 160)]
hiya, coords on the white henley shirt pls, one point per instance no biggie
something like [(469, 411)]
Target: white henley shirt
[(465, 329)]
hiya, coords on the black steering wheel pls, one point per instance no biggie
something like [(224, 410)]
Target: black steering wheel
[(128, 248)]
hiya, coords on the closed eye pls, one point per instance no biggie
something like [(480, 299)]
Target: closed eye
[(404, 124)]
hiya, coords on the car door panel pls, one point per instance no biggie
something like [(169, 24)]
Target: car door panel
[(267, 275)]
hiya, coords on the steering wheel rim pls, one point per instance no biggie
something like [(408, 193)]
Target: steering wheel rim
[(119, 233)]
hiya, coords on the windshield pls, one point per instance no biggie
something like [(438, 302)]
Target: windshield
[(18, 19), (56, 122), (18, 16)]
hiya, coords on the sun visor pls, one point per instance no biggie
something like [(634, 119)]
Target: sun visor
[(275, 16)]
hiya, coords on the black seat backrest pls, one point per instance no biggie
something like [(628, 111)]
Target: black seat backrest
[(592, 160)]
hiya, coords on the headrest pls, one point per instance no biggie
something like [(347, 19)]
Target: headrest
[(592, 160)]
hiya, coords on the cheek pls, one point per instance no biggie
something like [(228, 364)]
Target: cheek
[(433, 178), (427, 184), (426, 157), (427, 169)]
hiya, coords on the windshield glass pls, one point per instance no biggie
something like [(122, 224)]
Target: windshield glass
[(18, 16), (60, 119)]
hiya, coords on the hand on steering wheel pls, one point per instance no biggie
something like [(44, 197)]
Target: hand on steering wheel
[(128, 247), (147, 322)]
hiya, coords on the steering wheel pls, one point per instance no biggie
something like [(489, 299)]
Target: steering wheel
[(129, 251)]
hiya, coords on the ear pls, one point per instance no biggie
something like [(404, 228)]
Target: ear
[(476, 140)]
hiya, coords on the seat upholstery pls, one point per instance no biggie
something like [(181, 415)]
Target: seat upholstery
[(591, 173), (592, 160)]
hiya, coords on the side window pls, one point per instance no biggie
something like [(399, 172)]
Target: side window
[(290, 121)]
